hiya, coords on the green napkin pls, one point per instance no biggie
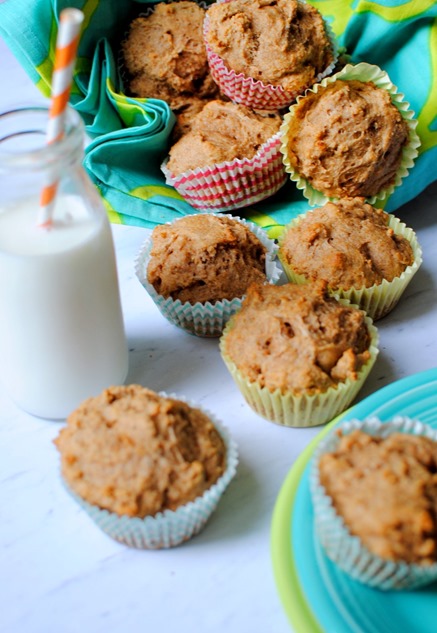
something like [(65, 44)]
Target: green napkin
[(130, 137)]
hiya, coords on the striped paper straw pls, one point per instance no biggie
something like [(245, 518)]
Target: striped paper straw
[(70, 22)]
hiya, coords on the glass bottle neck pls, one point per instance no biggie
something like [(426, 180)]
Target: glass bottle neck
[(23, 144)]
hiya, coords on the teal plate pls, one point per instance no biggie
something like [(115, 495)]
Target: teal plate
[(317, 596)]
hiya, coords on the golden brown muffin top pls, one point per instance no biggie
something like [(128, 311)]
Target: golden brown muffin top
[(386, 492), (347, 244), (186, 109), (221, 132), (297, 339), (164, 53), (136, 453), (281, 42), (205, 258), (347, 139)]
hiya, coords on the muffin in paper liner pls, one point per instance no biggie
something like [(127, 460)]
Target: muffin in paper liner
[(252, 93), (232, 184), (170, 527), (203, 319), (347, 550), (366, 73), (377, 300), (301, 410), (146, 12)]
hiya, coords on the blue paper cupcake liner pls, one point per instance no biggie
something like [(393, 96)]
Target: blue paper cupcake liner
[(170, 527), (347, 550), (204, 319)]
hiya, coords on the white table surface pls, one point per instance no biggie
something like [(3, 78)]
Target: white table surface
[(60, 573)]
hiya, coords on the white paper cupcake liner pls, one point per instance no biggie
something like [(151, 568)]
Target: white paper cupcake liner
[(203, 319), (339, 544), (254, 93), (232, 184), (377, 300), (171, 527), (366, 73), (301, 410)]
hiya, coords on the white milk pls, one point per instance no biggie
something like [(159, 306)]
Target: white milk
[(61, 327)]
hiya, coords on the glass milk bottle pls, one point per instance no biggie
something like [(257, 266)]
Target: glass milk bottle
[(61, 327)]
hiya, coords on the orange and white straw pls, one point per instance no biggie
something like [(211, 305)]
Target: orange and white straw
[(70, 22)]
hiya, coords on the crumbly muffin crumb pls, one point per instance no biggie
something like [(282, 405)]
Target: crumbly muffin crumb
[(297, 339), (386, 492), (136, 453), (185, 110), (347, 244), (204, 257)]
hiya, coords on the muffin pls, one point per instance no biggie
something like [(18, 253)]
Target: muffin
[(298, 355), (185, 110), (390, 470), (149, 468), (363, 253), (229, 158), (205, 258), (164, 55), (198, 268), (263, 53), (352, 135), (222, 131)]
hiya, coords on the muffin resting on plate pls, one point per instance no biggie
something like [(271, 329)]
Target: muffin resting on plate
[(394, 478), (374, 492), (164, 54), (346, 139), (364, 254), (298, 355), (205, 258), (281, 43), (149, 469)]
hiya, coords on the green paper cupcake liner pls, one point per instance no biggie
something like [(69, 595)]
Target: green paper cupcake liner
[(339, 544), (361, 72), (301, 410), (377, 300), (204, 319), (170, 527)]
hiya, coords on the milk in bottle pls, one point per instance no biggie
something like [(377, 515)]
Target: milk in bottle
[(61, 327)]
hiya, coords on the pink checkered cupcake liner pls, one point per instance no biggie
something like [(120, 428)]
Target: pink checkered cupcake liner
[(232, 184)]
